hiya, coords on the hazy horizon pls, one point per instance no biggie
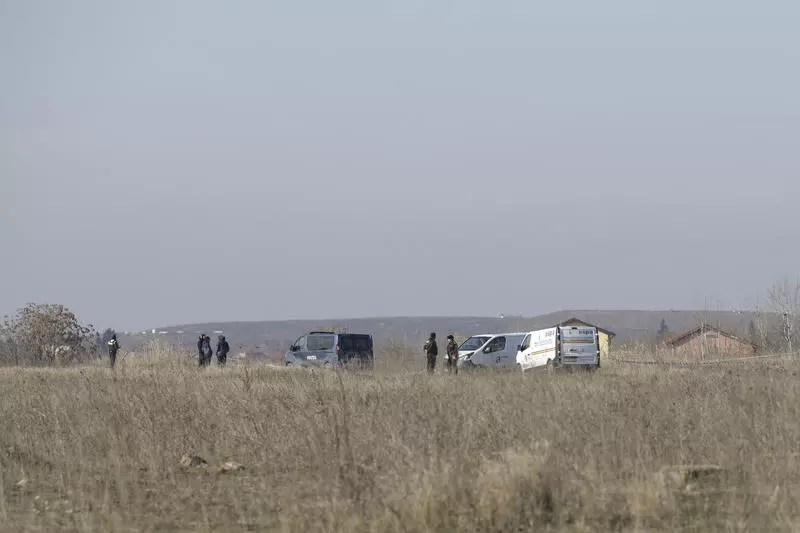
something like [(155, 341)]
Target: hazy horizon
[(184, 162)]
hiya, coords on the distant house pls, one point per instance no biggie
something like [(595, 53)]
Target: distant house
[(603, 335), (706, 341)]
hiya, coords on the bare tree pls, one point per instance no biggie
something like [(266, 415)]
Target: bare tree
[(784, 300), (6, 350), (45, 334), (763, 321), (704, 318)]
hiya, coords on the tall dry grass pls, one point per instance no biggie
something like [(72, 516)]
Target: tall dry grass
[(90, 449)]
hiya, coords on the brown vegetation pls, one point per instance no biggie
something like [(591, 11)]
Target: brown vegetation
[(149, 447), (45, 335)]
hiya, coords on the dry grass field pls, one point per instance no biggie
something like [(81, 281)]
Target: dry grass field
[(86, 449)]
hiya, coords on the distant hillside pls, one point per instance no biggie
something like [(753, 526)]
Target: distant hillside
[(629, 325)]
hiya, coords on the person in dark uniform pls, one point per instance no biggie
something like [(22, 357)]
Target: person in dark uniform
[(431, 352), (205, 350), (222, 350), (200, 356), (452, 355), (113, 348)]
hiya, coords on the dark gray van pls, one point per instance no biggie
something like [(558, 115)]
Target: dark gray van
[(325, 348)]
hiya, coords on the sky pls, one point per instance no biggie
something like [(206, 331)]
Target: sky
[(166, 162)]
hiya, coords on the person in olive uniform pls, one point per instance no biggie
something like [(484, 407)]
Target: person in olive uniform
[(452, 355), (431, 352)]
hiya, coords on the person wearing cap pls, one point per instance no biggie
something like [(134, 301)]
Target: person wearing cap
[(452, 355), (431, 352)]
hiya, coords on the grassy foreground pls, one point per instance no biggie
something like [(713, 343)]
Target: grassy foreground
[(88, 449)]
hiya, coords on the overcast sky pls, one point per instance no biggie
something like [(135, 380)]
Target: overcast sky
[(165, 162)]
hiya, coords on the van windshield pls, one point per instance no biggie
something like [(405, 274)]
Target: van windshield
[(473, 343)]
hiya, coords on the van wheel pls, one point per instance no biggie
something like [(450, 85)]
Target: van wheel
[(548, 366)]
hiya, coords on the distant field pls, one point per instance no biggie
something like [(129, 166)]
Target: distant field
[(86, 449)]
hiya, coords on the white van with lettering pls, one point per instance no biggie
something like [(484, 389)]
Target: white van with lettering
[(489, 350), (561, 346)]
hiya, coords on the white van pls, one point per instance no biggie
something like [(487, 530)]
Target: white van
[(490, 350), (567, 346)]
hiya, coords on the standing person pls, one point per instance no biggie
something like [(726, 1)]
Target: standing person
[(222, 350), (208, 353), (432, 352), (113, 348), (200, 355), (205, 350), (452, 355)]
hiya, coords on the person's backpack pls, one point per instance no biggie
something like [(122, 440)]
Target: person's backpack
[(431, 348)]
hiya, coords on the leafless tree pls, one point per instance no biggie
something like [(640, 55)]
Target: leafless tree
[(761, 337), (46, 334), (784, 300)]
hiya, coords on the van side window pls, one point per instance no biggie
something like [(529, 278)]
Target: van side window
[(321, 342), (497, 345), (355, 343), (301, 343)]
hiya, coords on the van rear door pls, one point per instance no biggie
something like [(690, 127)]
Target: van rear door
[(355, 347), (578, 345)]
